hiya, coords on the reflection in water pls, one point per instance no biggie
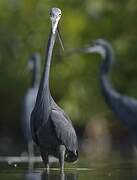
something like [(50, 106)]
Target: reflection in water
[(122, 171), (53, 175), (114, 170), (56, 175), (32, 176)]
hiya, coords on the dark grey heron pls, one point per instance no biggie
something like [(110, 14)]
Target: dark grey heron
[(52, 130), (124, 107), (30, 99)]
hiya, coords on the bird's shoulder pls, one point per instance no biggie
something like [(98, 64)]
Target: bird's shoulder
[(58, 109)]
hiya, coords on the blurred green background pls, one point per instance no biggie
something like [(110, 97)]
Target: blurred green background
[(24, 29)]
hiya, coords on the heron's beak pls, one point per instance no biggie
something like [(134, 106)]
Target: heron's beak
[(54, 25), (91, 49), (60, 39), (96, 49), (76, 51), (88, 49)]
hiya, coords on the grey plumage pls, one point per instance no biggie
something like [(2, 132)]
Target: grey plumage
[(29, 102), (124, 107), (51, 128), (30, 97), (28, 105)]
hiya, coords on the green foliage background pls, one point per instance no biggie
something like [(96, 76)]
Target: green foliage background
[(24, 29)]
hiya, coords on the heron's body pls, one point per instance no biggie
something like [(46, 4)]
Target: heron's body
[(124, 107), (52, 130), (28, 105), (58, 131), (29, 101)]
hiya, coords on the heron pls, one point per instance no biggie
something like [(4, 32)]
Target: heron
[(124, 107), (29, 100), (52, 129)]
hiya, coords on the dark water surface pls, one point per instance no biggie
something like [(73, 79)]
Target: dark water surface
[(85, 170)]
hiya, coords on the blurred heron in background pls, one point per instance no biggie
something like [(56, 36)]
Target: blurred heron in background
[(52, 130), (29, 100), (124, 107)]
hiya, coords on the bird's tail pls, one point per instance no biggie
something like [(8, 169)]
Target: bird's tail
[(71, 156)]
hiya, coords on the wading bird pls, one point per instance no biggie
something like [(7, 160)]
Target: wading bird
[(124, 107), (52, 130), (30, 99)]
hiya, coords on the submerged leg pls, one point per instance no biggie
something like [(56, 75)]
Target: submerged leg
[(45, 159), (30, 151), (62, 175), (62, 150)]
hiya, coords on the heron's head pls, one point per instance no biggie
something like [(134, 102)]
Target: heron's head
[(99, 46), (33, 61), (55, 15)]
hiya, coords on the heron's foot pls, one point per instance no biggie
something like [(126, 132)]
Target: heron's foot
[(62, 150), (45, 159), (47, 168), (31, 155), (31, 149), (62, 175), (62, 169)]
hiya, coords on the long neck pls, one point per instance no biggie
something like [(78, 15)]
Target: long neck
[(43, 101), (36, 74), (108, 60), (50, 46), (44, 84), (106, 87)]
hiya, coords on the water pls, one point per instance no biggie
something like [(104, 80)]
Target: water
[(112, 169)]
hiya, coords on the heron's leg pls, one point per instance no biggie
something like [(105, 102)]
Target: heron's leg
[(45, 159), (62, 175), (62, 150), (30, 152)]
